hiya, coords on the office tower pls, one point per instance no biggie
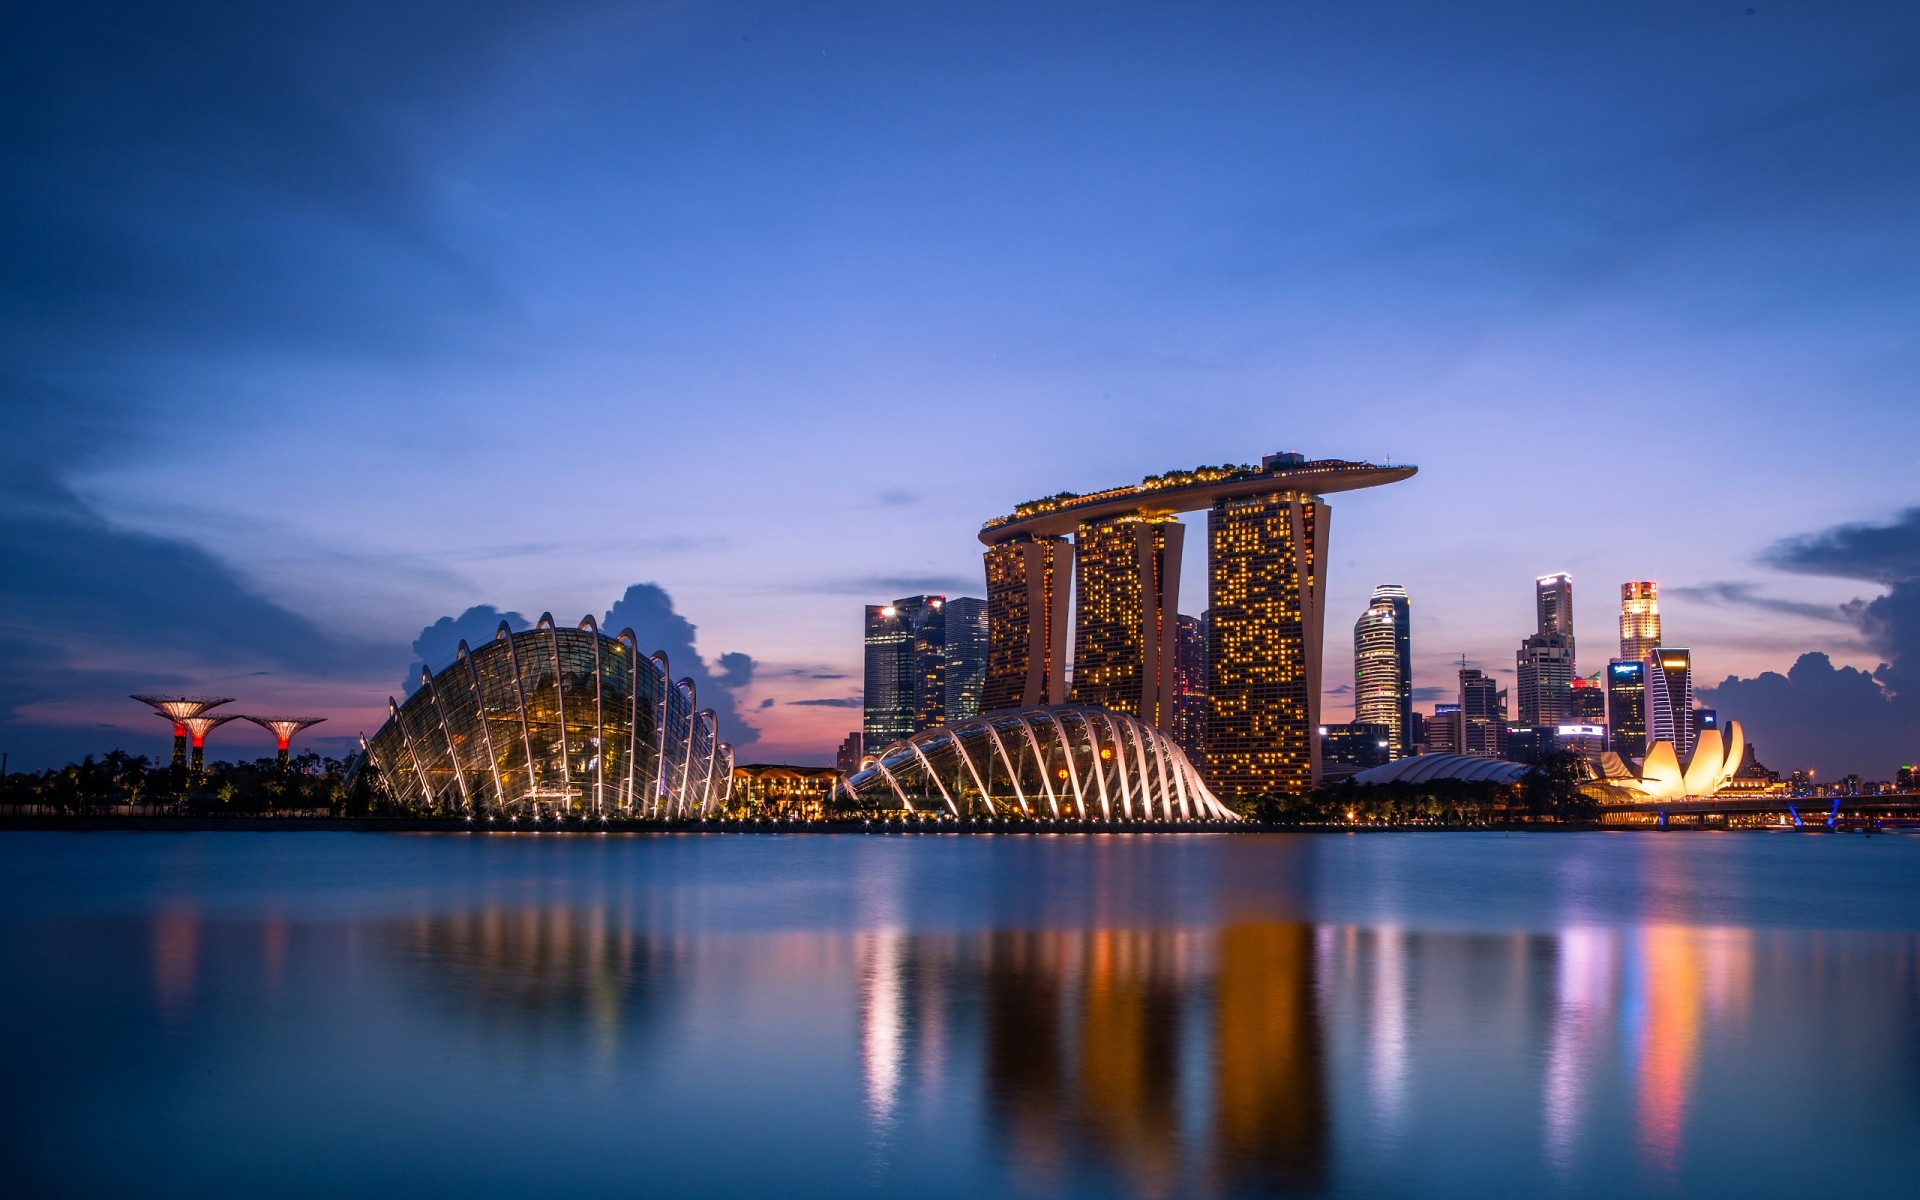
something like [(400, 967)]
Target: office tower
[(1417, 735), (1529, 743), (1190, 686), (1483, 714), (1543, 670), (905, 669), (1383, 666), (966, 657), (1553, 605), (1670, 699), (1266, 581), (1590, 700), (1028, 582), (852, 748), (1627, 708), (1349, 749), (1583, 739), (1443, 729), (1703, 720), (1126, 613), (1639, 620)]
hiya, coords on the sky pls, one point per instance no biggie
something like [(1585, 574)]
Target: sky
[(332, 333)]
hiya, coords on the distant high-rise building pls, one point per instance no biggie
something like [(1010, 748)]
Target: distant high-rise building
[(1443, 729), (905, 669), (1383, 666), (966, 657), (1703, 720), (1190, 686), (1543, 671), (1028, 584), (1670, 698), (1529, 743), (1582, 738), (1348, 749), (1590, 700), (1482, 714), (1553, 605), (1417, 739), (1126, 612), (1639, 620), (1627, 708), (847, 758), (1266, 584)]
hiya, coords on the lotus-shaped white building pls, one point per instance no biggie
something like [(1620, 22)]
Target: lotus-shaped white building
[(1661, 776)]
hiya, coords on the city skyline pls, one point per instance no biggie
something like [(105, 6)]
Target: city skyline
[(291, 470)]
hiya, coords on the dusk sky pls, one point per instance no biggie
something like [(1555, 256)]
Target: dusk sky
[(324, 323)]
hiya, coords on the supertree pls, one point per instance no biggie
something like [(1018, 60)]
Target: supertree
[(180, 710), (283, 728), (200, 727)]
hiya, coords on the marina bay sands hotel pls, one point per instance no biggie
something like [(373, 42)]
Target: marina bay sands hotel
[(1266, 585)]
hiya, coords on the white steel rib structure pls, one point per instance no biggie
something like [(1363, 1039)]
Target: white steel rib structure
[(551, 720), (1053, 762)]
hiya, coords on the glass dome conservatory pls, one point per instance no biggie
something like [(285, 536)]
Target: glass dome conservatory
[(554, 721)]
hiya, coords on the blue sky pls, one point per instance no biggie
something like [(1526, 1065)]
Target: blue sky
[(325, 322)]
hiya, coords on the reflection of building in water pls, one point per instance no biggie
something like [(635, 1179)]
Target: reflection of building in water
[(536, 971), (1100, 1049), (1270, 1123), (1691, 978)]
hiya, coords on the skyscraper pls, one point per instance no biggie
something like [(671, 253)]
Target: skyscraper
[(1266, 580), (1190, 686), (1627, 708), (1670, 698), (1383, 666), (1482, 714), (1028, 581), (1639, 620), (1443, 729), (1543, 671), (1553, 604), (905, 669), (1126, 612), (1589, 700), (966, 656)]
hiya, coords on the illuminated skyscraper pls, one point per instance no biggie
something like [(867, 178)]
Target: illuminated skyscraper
[(1266, 580), (1590, 700), (1553, 605), (1627, 708), (1126, 612), (905, 668), (1265, 586), (1383, 666), (1028, 582), (1190, 687), (1639, 620), (1670, 698), (966, 656)]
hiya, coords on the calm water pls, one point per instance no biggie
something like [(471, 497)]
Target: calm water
[(349, 1014)]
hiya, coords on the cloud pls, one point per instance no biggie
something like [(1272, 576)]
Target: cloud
[(1746, 595), (830, 702), (1840, 720), (897, 498), (1435, 693), (438, 642), (768, 702), (647, 609)]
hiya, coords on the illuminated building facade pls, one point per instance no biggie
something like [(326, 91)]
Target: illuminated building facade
[(1348, 749), (1443, 730), (1627, 707), (775, 790), (1590, 700), (1190, 688), (1266, 534), (1639, 620), (1553, 605), (1670, 698), (1266, 582), (1126, 617), (966, 656), (554, 721), (1029, 580), (906, 684), (1383, 666)]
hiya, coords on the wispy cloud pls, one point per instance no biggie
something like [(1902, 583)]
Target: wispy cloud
[(1742, 594), (829, 702)]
